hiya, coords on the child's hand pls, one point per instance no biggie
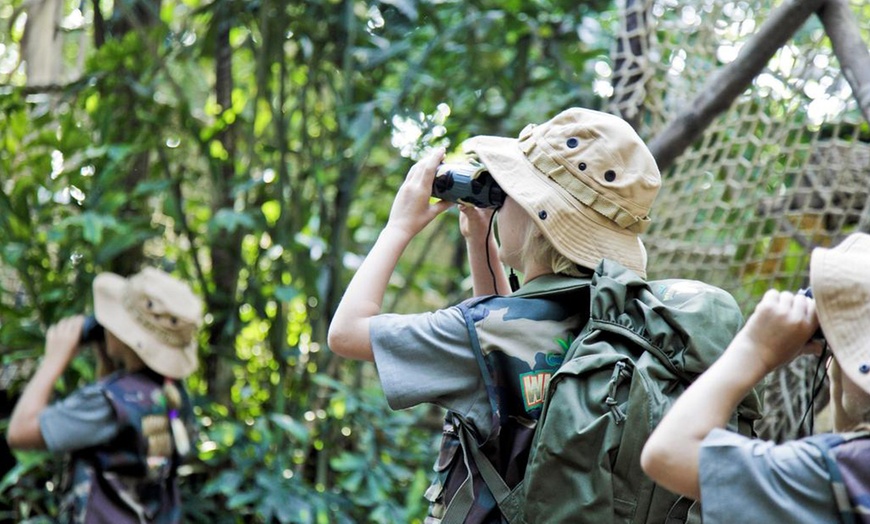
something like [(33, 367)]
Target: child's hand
[(62, 340), (474, 223), (781, 327), (411, 210)]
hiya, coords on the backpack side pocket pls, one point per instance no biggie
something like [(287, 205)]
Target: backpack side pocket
[(577, 443)]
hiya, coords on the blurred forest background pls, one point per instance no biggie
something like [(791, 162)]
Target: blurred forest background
[(252, 147)]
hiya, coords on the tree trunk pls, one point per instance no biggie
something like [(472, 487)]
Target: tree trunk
[(42, 44), (225, 245), (129, 16)]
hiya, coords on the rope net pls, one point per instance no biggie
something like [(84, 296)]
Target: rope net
[(781, 171)]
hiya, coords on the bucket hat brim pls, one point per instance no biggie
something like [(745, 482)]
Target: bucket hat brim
[(112, 313), (578, 232), (840, 280)]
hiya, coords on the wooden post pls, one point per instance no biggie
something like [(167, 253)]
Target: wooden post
[(724, 87)]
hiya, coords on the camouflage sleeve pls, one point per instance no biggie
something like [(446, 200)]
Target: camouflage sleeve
[(83, 419), (427, 358), (788, 482)]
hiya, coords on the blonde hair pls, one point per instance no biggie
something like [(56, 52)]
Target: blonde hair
[(537, 248)]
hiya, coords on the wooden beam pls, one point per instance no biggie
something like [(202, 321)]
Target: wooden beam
[(841, 27), (725, 86)]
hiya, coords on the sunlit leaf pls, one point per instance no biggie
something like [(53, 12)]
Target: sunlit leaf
[(272, 211)]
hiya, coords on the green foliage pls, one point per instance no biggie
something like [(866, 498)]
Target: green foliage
[(256, 467), (31, 488), (258, 186)]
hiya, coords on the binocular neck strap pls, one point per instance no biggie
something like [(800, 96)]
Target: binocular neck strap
[(514, 281)]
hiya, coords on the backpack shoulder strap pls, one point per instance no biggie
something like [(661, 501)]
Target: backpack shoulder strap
[(828, 444), (477, 465), (680, 512), (460, 506)]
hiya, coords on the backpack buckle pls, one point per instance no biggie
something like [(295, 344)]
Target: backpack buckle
[(619, 374)]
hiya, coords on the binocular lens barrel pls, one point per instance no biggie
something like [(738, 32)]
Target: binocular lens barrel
[(467, 184)]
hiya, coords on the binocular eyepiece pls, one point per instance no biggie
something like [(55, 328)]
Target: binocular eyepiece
[(467, 183), (92, 331)]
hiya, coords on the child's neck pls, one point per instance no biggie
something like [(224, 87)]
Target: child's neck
[(533, 271)]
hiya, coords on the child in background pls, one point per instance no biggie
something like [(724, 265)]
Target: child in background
[(127, 432)]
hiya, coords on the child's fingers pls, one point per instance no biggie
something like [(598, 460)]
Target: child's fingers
[(441, 206), (770, 298), (426, 167)]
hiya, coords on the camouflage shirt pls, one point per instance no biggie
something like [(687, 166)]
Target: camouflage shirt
[(498, 389)]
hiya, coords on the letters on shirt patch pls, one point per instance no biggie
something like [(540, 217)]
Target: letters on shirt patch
[(534, 383), (534, 386)]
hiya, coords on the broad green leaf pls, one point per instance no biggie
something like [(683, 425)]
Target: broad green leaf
[(298, 430)]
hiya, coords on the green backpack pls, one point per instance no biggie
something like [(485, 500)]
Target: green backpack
[(644, 343)]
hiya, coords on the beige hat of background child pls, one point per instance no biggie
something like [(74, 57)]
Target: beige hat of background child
[(840, 279), (587, 180), (155, 314)]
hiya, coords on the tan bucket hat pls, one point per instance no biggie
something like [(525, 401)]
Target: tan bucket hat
[(155, 314), (587, 180), (840, 279)]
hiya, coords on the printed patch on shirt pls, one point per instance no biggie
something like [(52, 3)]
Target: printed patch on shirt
[(534, 385)]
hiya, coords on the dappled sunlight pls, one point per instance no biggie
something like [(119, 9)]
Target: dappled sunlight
[(411, 135), (255, 148)]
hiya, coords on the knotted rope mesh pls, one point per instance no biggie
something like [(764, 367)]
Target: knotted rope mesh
[(783, 169)]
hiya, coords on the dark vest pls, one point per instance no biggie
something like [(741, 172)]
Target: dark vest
[(847, 456), (117, 482)]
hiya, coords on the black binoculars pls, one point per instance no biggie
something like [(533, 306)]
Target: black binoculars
[(818, 335), (92, 331), (467, 183)]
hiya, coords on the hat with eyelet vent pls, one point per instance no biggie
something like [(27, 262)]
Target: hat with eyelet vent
[(840, 279), (153, 313), (587, 180)]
